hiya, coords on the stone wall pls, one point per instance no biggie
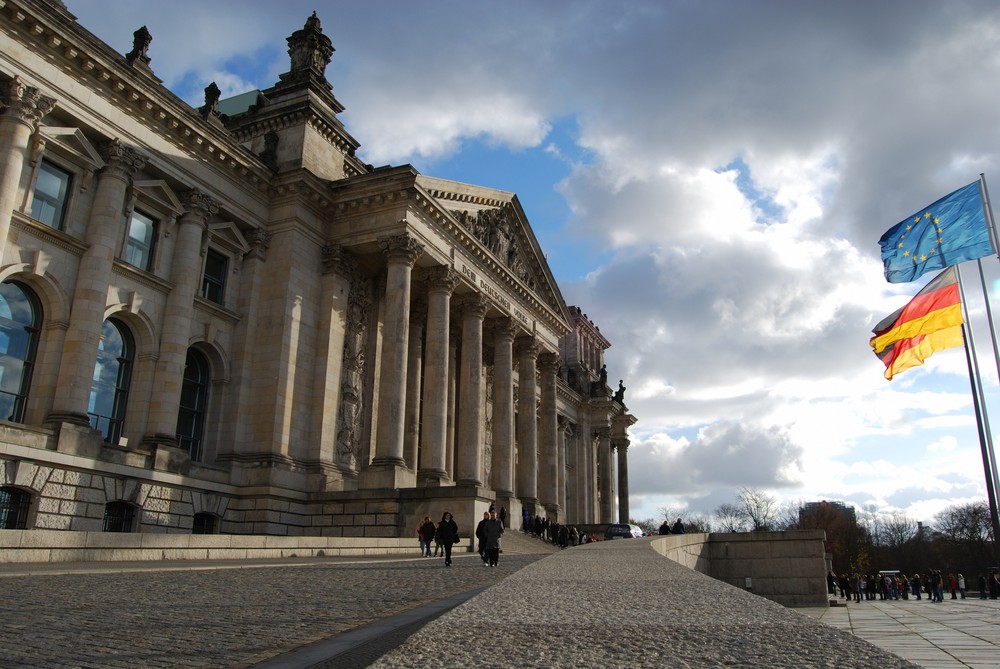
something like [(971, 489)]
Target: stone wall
[(786, 567)]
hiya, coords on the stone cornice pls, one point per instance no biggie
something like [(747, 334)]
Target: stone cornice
[(57, 238), (134, 89), (122, 268)]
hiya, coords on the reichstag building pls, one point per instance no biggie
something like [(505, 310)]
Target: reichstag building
[(218, 319)]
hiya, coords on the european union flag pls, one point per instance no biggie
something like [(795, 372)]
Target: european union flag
[(948, 232)]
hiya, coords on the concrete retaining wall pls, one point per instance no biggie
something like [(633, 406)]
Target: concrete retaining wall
[(786, 567), (63, 546)]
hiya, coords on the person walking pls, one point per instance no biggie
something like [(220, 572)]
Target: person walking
[(426, 535), (447, 535), (492, 531), (479, 537)]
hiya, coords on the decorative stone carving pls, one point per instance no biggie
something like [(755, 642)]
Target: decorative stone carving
[(212, 95), (352, 374), (441, 279), (401, 248), (310, 51), (141, 39), (26, 103), (338, 259), (121, 160), (259, 240), (197, 203)]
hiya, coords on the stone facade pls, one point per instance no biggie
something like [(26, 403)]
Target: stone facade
[(219, 319)]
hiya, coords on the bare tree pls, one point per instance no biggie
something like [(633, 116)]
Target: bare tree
[(730, 518), (899, 529), (759, 508), (966, 523)]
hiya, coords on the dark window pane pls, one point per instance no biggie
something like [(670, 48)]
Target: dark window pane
[(112, 374), (118, 516), (213, 284), (14, 505), (141, 238), (204, 523), (194, 402), (19, 327), (48, 202)]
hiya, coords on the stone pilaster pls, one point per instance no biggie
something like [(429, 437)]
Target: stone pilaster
[(23, 107), (414, 369), (185, 272), (605, 480), (469, 449), (548, 483), (562, 480), (105, 230), (441, 282), (621, 445), (526, 349), (503, 408), (401, 253)]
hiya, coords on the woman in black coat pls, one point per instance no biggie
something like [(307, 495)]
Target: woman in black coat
[(447, 535)]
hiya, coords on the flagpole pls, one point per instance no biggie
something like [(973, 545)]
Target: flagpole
[(991, 224), (982, 418)]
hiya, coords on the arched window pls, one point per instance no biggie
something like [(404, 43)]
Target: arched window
[(204, 523), (20, 318), (194, 401), (112, 373), (14, 505), (119, 516)]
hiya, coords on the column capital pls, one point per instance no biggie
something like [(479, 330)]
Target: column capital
[(441, 279), (474, 304), (401, 248), (564, 424), (26, 103), (198, 205), (502, 329), (121, 161), (338, 259), (602, 432), (527, 347), (549, 362)]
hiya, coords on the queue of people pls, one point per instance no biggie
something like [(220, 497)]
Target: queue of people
[(894, 586)]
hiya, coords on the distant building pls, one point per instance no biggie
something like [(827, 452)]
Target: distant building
[(827, 509), (221, 320)]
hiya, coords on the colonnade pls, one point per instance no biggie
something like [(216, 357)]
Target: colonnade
[(544, 459)]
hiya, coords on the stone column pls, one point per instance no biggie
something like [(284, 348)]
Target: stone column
[(414, 361), (503, 409), (585, 469), (401, 253), (24, 108), (548, 470), (526, 349), (469, 449), (441, 281), (185, 272), (606, 485), (621, 445), (105, 232), (456, 335), (561, 460)]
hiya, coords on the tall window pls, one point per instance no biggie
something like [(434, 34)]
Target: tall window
[(119, 516), (14, 505), (19, 325), (194, 401), (112, 373), (48, 202), (141, 239), (213, 282)]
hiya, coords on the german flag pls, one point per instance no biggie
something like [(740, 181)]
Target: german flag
[(930, 322)]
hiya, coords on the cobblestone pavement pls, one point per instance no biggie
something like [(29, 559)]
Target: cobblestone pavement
[(216, 617)]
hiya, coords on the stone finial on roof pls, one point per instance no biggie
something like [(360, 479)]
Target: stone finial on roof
[(310, 49), (212, 95), (141, 40)]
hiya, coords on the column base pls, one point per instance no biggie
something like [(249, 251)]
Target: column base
[(433, 478), (391, 476)]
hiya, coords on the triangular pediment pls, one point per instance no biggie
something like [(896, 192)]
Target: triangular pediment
[(161, 194), (75, 142), (226, 234), (495, 219)]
